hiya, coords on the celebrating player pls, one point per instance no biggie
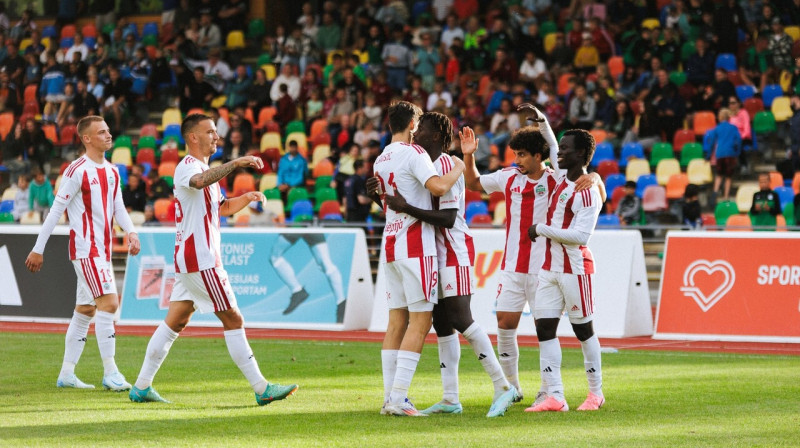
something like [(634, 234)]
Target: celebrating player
[(456, 257), (526, 188), (201, 282), (409, 251), (565, 281), (90, 192)]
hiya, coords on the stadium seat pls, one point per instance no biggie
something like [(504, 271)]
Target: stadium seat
[(616, 66), (323, 168), (494, 199), (480, 220), (123, 141), (147, 141), (549, 43), (66, 42), (49, 31), (644, 181), (690, 152), (654, 199), (782, 108), (322, 182), (630, 150), (148, 129), (50, 132), (6, 122), (122, 169), (735, 78), (146, 155), (295, 194), (771, 92), (122, 156), (651, 23), (318, 127), (499, 214), (295, 126), (68, 31), (676, 186), (636, 168), (243, 183), (603, 151), (764, 123), (704, 121), (659, 152), (724, 210), (69, 135), (256, 29), (9, 194), (788, 213), (796, 183), (329, 207), (753, 106), (268, 181), (166, 169), (665, 169), (270, 71), (615, 180), (726, 61), (474, 208), (699, 172), (161, 209), (608, 221), (271, 140), (301, 207), (744, 196), (687, 50), (678, 78), (321, 152), (793, 31), (607, 168), (272, 194), (275, 206), (616, 196), (786, 195), (271, 157), (745, 92), (599, 135), (170, 155), (171, 116), (302, 142), (30, 218), (470, 196), (682, 137), (6, 206), (324, 194), (775, 179), (739, 223), (547, 27), (150, 29)]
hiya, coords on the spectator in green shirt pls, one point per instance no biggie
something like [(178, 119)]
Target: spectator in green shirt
[(766, 205)]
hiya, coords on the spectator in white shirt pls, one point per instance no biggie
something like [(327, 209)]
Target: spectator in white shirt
[(77, 47), (286, 77), (532, 68), (451, 32), (439, 94)]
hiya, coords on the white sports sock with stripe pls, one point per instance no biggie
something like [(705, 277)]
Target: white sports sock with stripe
[(508, 351), (550, 367), (406, 367), (74, 342), (106, 340), (157, 350), (286, 273), (482, 346), (244, 359), (591, 361), (449, 356), (389, 367)]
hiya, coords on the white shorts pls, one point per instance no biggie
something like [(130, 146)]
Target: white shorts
[(412, 284), (456, 281), (515, 290), (210, 290), (95, 279), (558, 292)]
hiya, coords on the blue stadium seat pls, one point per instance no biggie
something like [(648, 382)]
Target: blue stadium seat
[(302, 207), (745, 91), (217, 155), (634, 150), (613, 181), (67, 42), (645, 181), (90, 42), (786, 195), (727, 62), (49, 31), (150, 29), (608, 221), (603, 151), (771, 92), (6, 206), (474, 208), (123, 173)]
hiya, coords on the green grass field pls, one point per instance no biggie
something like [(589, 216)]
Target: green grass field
[(653, 399)]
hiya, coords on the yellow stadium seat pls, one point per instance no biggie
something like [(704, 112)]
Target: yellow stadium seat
[(45, 43), (549, 42), (122, 156), (300, 138), (31, 217), (330, 56), (268, 181), (270, 71), (321, 152), (499, 217), (25, 43), (636, 168), (219, 101), (699, 172), (9, 194), (170, 116), (666, 168), (782, 108), (651, 23), (744, 196), (235, 40), (793, 31), (785, 80), (275, 206), (271, 140)]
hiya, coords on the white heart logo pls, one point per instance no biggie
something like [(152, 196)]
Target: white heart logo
[(705, 302)]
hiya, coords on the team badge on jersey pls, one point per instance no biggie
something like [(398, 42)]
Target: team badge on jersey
[(540, 190), (563, 198)]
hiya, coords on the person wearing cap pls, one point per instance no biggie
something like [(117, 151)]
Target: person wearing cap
[(587, 57)]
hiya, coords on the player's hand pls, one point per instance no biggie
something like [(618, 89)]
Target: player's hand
[(587, 181), (469, 144), (34, 262), (535, 114), (133, 243), (249, 161), (458, 164), (397, 202), (532, 232), (256, 196), (373, 186)]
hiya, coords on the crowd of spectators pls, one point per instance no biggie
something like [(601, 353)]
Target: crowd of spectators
[(638, 71)]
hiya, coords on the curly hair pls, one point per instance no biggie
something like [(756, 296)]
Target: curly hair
[(584, 141), (442, 124), (530, 140)]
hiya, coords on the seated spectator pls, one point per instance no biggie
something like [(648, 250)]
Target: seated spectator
[(134, 195), (766, 205), (8, 93), (258, 92), (239, 123), (358, 203), (397, 59), (366, 133), (150, 219), (629, 209), (198, 93), (562, 55), (292, 83), (65, 105), (260, 217), (235, 146), (41, 195), (439, 93), (504, 123), (329, 33), (699, 67), (340, 110), (159, 188), (77, 47), (691, 206), (532, 69), (451, 31), (723, 144), (14, 153), (313, 107), (309, 83), (353, 87), (33, 70), (582, 109), (425, 59), (794, 131), (117, 94), (483, 154), (620, 124), (287, 110), (37, 146), (371, 113), (504, 67), (52, 88), (292, 169), (209, 36), (416, 94), (21, 197), (237, 90), (233, 15), (13, 64), (586, 56)]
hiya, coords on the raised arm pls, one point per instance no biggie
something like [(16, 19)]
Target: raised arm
[(536, 116), (212, 175), (469, 144)]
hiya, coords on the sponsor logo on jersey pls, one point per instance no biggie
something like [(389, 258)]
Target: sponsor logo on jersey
[(449, 287), (540, 190), (516, 190), (94, 182), (574, 308)]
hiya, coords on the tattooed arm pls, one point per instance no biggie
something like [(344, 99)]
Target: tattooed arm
[(210, 176)]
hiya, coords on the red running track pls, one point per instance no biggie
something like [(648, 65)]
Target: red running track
[(638, 343)]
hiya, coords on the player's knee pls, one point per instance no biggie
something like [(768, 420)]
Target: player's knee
[(442, 328), (461, 323), (583, 331), (546, 329)]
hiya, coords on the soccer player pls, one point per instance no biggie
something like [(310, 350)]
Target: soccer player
[(319, 248), (90, 193), (409, 251), (201, 282), (456, 257), (526, 188), (565, 281)]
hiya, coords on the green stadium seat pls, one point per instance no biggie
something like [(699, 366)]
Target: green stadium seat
[(690, 152), (725, 210), (764, 122), (123, 141), (660, 152), (788, 213), (324, 194), (295, 194), (322, 182), (272, 193), (678, 78), (546, 28), (295, 126), (148, 141)]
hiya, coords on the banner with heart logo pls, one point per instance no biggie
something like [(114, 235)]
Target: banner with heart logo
[(730, 286)]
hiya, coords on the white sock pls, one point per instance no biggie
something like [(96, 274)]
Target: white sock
[(406, 366), (509, 355), (244, 359), (389, 365), (286, 273), (106, 340), (482, 346), (550, 367), (449, 355), (74, 342), (322, 255), (157, 350), (591, 361)]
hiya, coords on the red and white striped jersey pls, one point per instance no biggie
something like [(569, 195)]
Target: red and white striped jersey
[(91, 194), (197, 239), (526, 204), (454, 246), (571, 218), (405, 168)]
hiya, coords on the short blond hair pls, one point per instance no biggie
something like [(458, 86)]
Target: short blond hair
[(86, 122)]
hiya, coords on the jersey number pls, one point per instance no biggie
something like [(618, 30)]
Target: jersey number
[(178, 211)]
